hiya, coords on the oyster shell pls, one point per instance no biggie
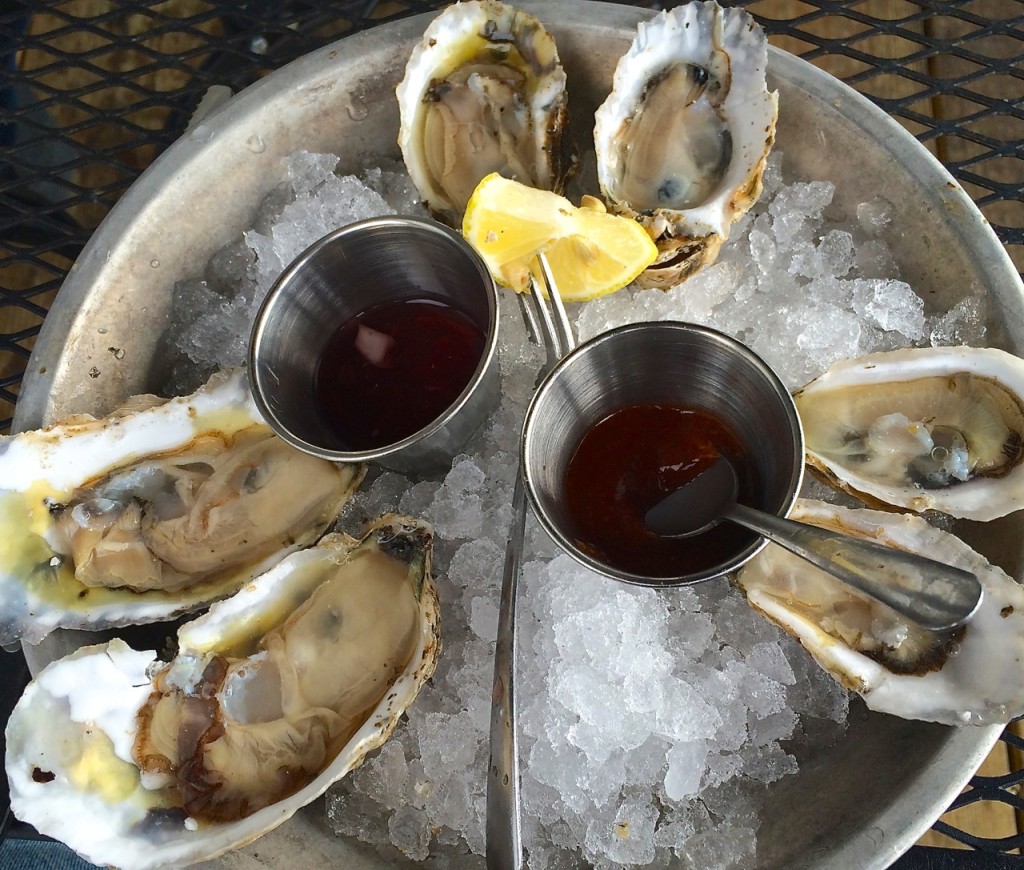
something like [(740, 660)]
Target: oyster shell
[(938, 428), (274, 694), (153, 511), (683, 137), (898, 667), (483, 92)]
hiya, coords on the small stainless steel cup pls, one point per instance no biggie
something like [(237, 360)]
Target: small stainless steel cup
[(665, 362), (337, 278)]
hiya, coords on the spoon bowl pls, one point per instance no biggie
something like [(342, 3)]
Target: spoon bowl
[(934, 595), (698, 505)]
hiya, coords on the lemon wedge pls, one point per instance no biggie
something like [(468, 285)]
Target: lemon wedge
[(591, 252)]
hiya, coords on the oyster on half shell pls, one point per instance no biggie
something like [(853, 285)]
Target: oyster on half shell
[(939, 428), (483, 92), (683, 137), (951, 677), (274, 694), (156, 510)]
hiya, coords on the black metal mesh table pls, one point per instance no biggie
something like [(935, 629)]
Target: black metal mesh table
[(91, 91)]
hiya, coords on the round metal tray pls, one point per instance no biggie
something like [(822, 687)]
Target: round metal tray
[(862, 803)]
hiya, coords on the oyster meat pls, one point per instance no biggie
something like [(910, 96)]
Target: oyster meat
[(274, 694), (153, 511), (683, 137), (939, 428), (483, 92), (951, 677)]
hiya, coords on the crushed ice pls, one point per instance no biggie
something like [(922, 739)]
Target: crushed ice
[(651, 722)]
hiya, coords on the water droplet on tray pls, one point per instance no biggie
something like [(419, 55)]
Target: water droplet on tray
[(356, 108), (256, 144)]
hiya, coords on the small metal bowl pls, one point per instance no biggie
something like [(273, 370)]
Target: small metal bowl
[(661, 363), (336, 279)]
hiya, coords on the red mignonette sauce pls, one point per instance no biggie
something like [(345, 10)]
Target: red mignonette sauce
[(395, 368), (628, 462)]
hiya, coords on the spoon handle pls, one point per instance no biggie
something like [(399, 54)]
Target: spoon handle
[(934, 595), (504, 835)]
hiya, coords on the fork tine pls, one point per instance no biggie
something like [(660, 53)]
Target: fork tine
[(542, 318), (548, 312), (533, 327), (563, 328)]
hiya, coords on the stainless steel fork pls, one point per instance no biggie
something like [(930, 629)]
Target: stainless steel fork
[(549, 325)]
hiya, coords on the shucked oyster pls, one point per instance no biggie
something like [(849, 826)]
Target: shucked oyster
[(153, 511), (683, 137), (274, 694), (938, 428), (483, 92), (899, 668)]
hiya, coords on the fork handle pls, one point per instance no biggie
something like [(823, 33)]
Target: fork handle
[(504, 826)]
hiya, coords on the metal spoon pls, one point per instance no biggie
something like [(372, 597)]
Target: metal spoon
[(934, 595)]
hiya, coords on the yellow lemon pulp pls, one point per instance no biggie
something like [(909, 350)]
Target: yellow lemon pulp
[(591, 253)]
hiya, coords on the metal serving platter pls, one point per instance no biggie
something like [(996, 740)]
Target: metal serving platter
[(862, 803)]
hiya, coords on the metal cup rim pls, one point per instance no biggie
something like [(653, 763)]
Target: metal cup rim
[(279, 287), (566, 543)]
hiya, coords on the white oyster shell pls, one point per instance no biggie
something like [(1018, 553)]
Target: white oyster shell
[(939, 428), (972, 675), (683, 137), (483, 92), (274, 694), (153, 511)]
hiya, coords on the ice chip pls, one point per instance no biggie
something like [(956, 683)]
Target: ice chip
[(837, 253), (963, 324), (307, 171), (875, 215), (410, 833), (874, 259), (627, 836), (763, 249), (891, 305), (685, 769), (483, 618)]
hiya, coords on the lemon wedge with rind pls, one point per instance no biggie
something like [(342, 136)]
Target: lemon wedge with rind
[(591, 253)]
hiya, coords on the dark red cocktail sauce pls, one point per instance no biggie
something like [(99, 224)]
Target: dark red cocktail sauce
[(627, 463), (394, 369)]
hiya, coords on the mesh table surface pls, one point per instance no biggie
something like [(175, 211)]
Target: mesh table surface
[(91, 91)]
